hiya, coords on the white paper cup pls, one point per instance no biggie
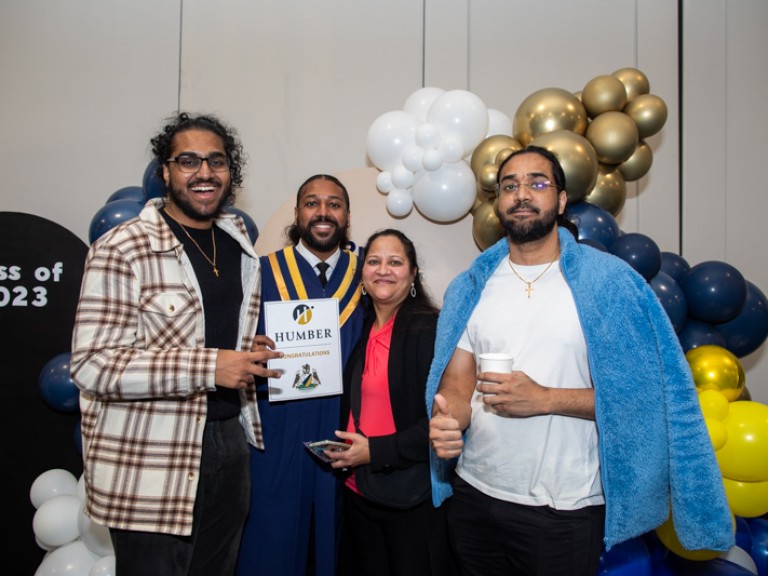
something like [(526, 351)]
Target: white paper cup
[(496, 362)]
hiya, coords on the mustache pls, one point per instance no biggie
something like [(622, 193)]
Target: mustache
[(522, 206), (326, 219), (197, 181)]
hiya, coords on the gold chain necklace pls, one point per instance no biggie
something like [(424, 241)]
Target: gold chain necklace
[(529, 289), (213, 238)]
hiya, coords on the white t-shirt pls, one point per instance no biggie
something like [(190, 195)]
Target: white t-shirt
[(541, 460)]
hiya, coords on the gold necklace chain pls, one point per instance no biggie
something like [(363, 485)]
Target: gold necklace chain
[(529, 289), (213, 238)]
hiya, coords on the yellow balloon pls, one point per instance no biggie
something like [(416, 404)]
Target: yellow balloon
[(503, 155), (486, 228), (638, 164), (715, 368), (745, 455), (604, 93), (746, 499), (635, 82), (713, 404), (718, 433), (610, 191), (649, 113), (614, 137), (668, 536), (486, 151), (548, 110), (576, 156)]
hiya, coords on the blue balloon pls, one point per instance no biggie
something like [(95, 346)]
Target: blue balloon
[(630, 558), (674, 265), (672, 298), (639, 251), (250, 225), (112, 214), (715, 291), (152, 182), (135, 193), (675, 566), (594, 244), (593, 223), (56, 385), (747, 332), (759, 551), (696, 333), (743, 534)]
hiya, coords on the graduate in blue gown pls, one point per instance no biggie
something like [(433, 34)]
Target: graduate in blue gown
[(292, 526)]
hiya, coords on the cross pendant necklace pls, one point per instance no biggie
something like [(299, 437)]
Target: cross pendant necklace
[(529, 283), (213, 238)]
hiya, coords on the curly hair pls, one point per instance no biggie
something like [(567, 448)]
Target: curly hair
[(162, 143)]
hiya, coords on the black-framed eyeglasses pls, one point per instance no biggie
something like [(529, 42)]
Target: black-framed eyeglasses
[(535, 186), (190, 163)]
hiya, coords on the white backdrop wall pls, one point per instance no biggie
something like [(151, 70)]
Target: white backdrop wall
[(85, 83)]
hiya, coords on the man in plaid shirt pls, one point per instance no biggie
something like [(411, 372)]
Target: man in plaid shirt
[(165, 354)]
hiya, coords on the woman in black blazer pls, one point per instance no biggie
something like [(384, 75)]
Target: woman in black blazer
[(389, 525)]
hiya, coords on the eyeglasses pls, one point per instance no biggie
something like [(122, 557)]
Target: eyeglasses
[(535, 186), (190, 163)]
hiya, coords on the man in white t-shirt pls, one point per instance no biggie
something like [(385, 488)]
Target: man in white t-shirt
[(596, 433)]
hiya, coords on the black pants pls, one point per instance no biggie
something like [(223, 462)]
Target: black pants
[(221, 506), (493, 537), (382, 541)]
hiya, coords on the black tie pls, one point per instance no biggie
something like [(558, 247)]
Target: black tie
[(323, 266)]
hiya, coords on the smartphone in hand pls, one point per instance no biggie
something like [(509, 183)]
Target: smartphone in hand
[(319, 447)]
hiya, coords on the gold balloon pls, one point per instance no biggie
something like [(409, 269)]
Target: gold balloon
[(486, 228), (635, 82), (610, 191), (503, 155), (486, 151), (649, 113), (487, 177), (614, 137), (603, 93), (715, 368), (548, 110), (576, 156), (638, 164)]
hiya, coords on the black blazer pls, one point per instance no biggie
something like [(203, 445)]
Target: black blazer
[(410, 356)]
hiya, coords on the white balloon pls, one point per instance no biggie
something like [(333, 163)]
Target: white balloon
[(742, 558), (55, 522), (419, 102), (104, 567), (412, 158), (447, 194), (389, 134), (498, 124), (432, 160), (399, 203), (428, 136), (402, 177), (460, 114), (52, 483), (81, 488), (451, 149), (74, 559), (94, 536), (384, 182)]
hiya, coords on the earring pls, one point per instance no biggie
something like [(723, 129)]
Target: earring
[(362, 289), (413, 290)]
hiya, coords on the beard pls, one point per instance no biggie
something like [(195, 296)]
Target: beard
[(530, 230), (181, 200), (338, 236)]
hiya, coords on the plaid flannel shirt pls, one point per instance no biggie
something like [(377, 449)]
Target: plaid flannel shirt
[(139, 362)]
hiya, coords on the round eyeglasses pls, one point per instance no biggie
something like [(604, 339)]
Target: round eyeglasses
[(190, 163)]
